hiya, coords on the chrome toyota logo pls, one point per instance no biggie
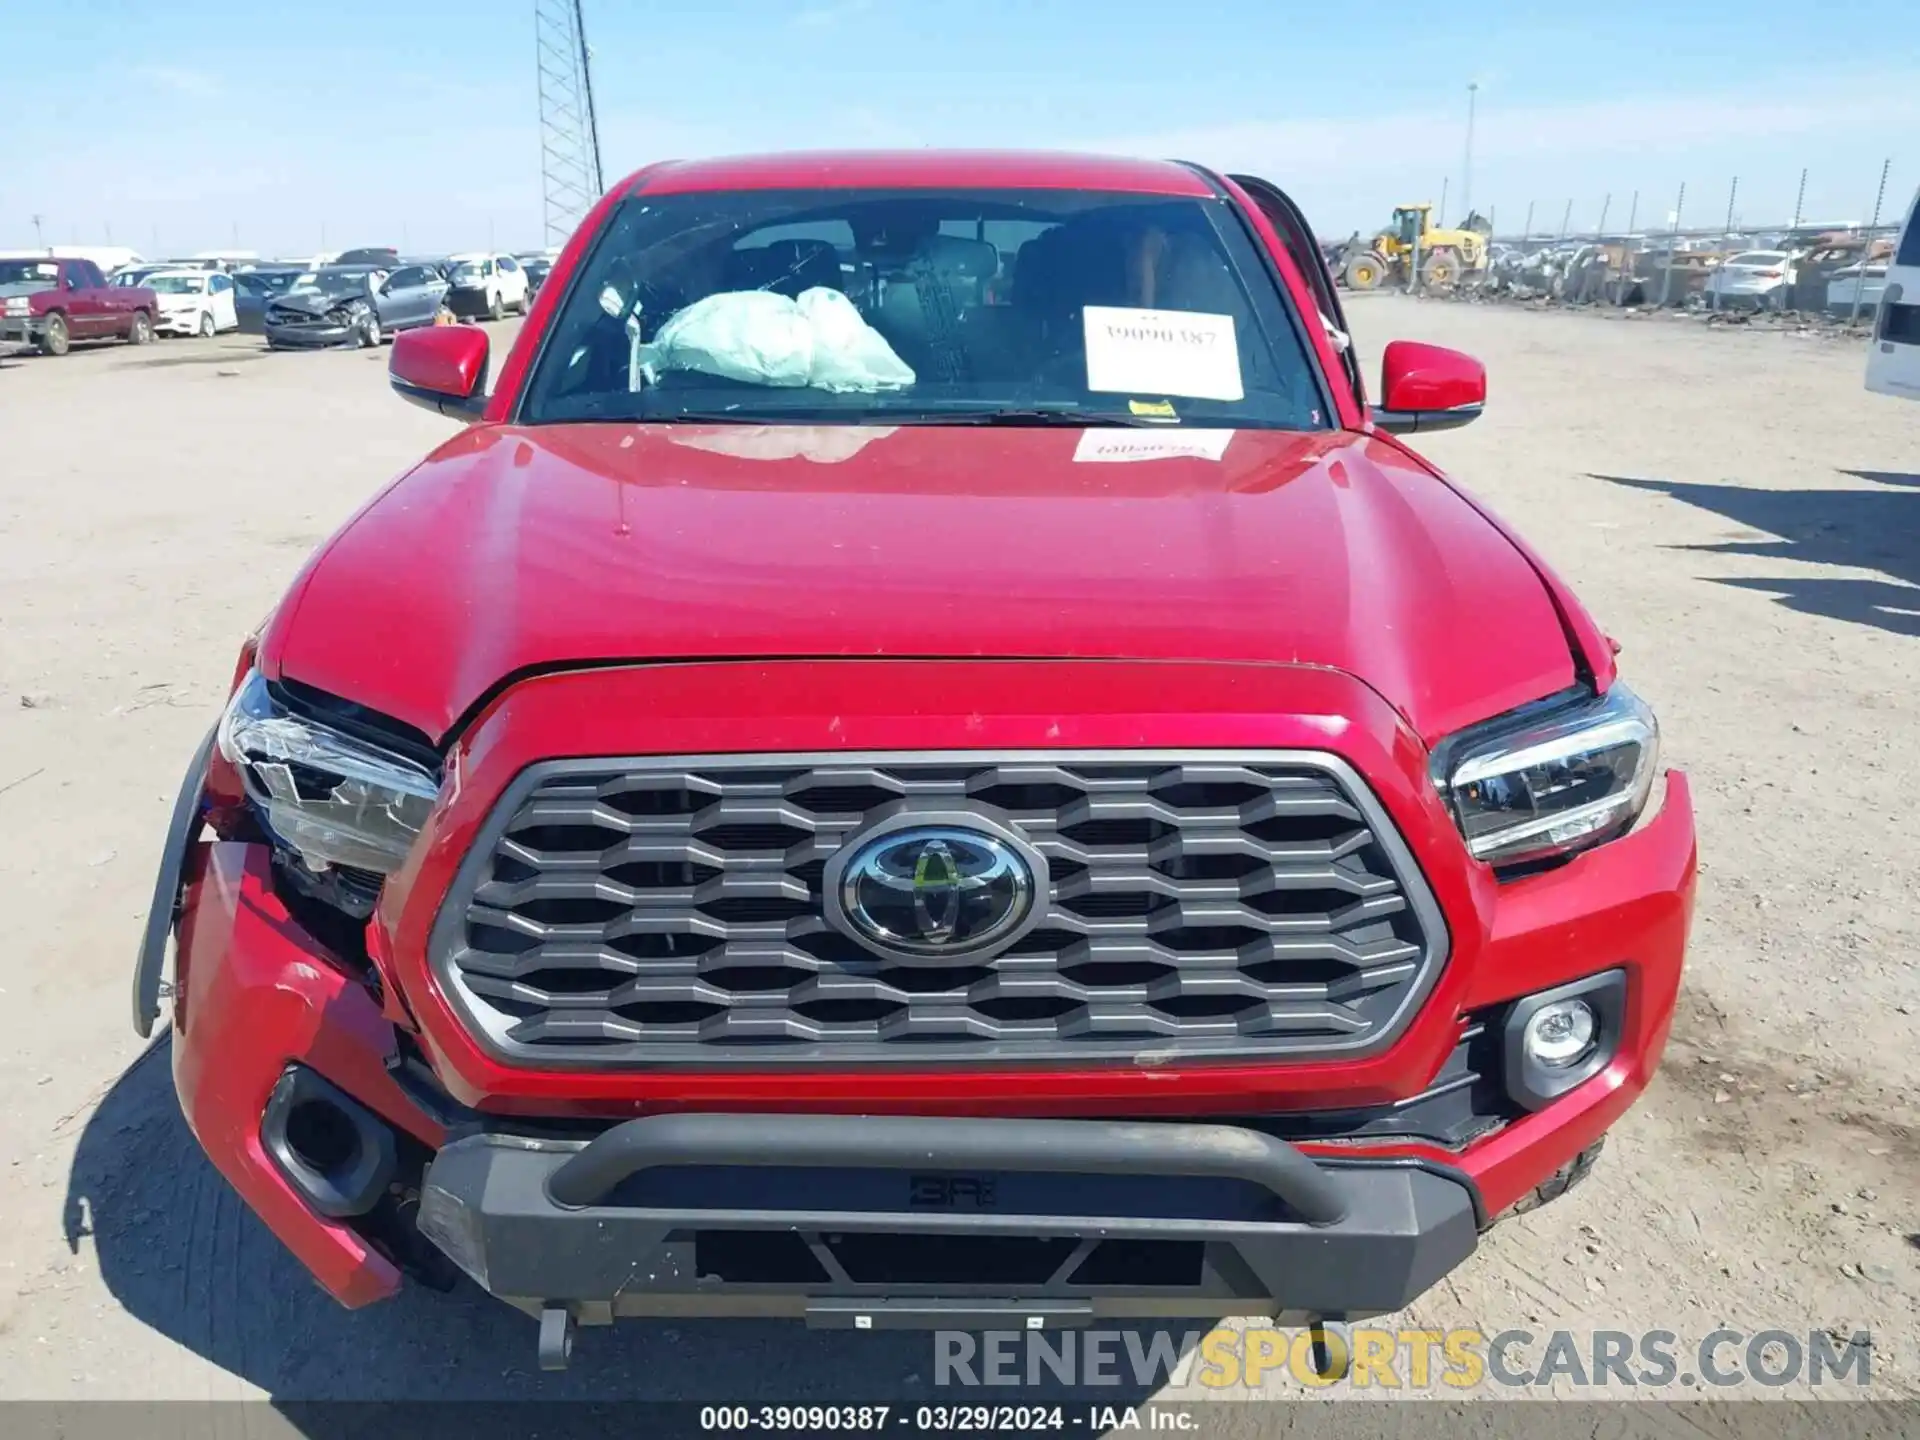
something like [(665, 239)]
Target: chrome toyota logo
[(923, 891)]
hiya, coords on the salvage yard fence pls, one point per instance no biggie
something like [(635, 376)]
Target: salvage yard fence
[(1834, 271)]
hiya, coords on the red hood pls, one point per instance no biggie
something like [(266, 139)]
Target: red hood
[(514, 548)]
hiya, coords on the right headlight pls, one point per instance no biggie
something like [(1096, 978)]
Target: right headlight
[(1550, 780), (331, 798)]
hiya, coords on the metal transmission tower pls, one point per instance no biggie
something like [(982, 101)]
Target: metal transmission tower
[(570, 179)]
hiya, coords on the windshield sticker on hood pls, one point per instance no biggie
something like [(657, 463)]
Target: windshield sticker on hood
[(1153, 409), (1162, 352), (1111, 447)]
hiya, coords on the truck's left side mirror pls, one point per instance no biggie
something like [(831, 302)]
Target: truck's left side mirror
[(1428, 387), (442, 368)]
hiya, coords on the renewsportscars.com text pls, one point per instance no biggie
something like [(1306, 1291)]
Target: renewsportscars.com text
[(1404, 1360)]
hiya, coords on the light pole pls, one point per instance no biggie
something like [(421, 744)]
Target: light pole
[(1466, 168), (39, 240)]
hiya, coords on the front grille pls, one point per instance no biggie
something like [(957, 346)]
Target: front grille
[(1197, 904)]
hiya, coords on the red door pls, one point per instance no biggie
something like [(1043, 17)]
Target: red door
[(88, 314)]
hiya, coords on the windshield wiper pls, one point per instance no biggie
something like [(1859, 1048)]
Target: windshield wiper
[(1077, 419)]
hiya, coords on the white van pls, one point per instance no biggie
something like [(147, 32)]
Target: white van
[(1893, 357)]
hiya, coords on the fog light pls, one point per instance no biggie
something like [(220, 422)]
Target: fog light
[(1555, 1040), (1560, 1034)]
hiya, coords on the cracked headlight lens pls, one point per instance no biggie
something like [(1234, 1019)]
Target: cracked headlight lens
[(332, 799), (1547, 782)]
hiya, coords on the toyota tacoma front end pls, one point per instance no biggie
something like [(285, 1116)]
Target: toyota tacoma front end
[(1097, 829)]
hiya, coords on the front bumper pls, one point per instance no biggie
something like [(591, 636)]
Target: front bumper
[(256, 993), (311, 337), (467, 303), (19, 329), (177, 323), (863, 1221)]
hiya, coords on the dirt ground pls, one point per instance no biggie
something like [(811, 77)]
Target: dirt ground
[(1734, 508)]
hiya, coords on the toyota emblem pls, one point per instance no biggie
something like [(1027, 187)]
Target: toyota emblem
[(927, 891)]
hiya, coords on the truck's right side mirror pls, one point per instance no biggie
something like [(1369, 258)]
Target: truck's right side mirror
[(1428, 387)]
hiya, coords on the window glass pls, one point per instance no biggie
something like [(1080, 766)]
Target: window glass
[(951, 304), (1910, 238)]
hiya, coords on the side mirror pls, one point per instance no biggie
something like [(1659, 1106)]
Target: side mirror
[(1428, 387), (442, 368)]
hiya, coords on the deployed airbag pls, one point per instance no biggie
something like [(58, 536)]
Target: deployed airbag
[(763, 338)]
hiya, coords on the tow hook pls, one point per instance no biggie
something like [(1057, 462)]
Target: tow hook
[(556, 1337)]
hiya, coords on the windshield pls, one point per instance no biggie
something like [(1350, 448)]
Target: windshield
[(28, 272), (920, 305), (331, 282), (178, 284), (263, 282), (470, 270)]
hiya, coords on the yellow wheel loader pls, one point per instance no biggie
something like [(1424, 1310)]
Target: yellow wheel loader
[(1447, 258)]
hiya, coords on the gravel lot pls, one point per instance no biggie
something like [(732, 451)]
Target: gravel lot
[(1734, 507)]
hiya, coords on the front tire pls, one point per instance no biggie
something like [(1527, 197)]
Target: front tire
[(1441, 270), (495, 310), (141, 330), (1365, 271), (206, 325), (370, 331), (54, 339)]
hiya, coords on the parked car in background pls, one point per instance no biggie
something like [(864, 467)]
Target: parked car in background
[(1760, 279), (352, 305), (487, 285), (51, 301), (1866, 283), (135, 275), (538, 265), (193, 302), (383, 256), (252, 289)]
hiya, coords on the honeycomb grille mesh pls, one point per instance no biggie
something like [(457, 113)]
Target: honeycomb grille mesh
[(645, 912)]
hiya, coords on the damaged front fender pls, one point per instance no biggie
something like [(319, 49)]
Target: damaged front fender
[(189, 812)]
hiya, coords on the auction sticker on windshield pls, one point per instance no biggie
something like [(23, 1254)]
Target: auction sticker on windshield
[(1162, 352)]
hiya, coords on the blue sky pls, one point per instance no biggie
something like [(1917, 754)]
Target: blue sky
[(412, 122)]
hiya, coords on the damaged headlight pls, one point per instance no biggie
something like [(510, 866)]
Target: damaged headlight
[(332, 799), (1549, 781)]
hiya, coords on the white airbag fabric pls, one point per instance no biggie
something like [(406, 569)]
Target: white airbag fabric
[(762, 338)]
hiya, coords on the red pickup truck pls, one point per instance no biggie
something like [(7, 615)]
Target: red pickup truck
[(52, 301), (935, 759)]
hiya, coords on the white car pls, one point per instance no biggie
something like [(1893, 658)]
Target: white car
[(1757, 278), (193, 302), (487, 285)]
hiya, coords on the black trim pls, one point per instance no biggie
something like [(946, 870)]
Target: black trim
[(1440, 759), (355, 1182), (454, 407), (357, 722), (912, 1142), (1403, 1223), (1534, 1086), (1425, 422), (164, 909), (1439, 1169)]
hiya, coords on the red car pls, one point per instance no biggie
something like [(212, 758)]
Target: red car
[(52, 301), (927, 757)]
